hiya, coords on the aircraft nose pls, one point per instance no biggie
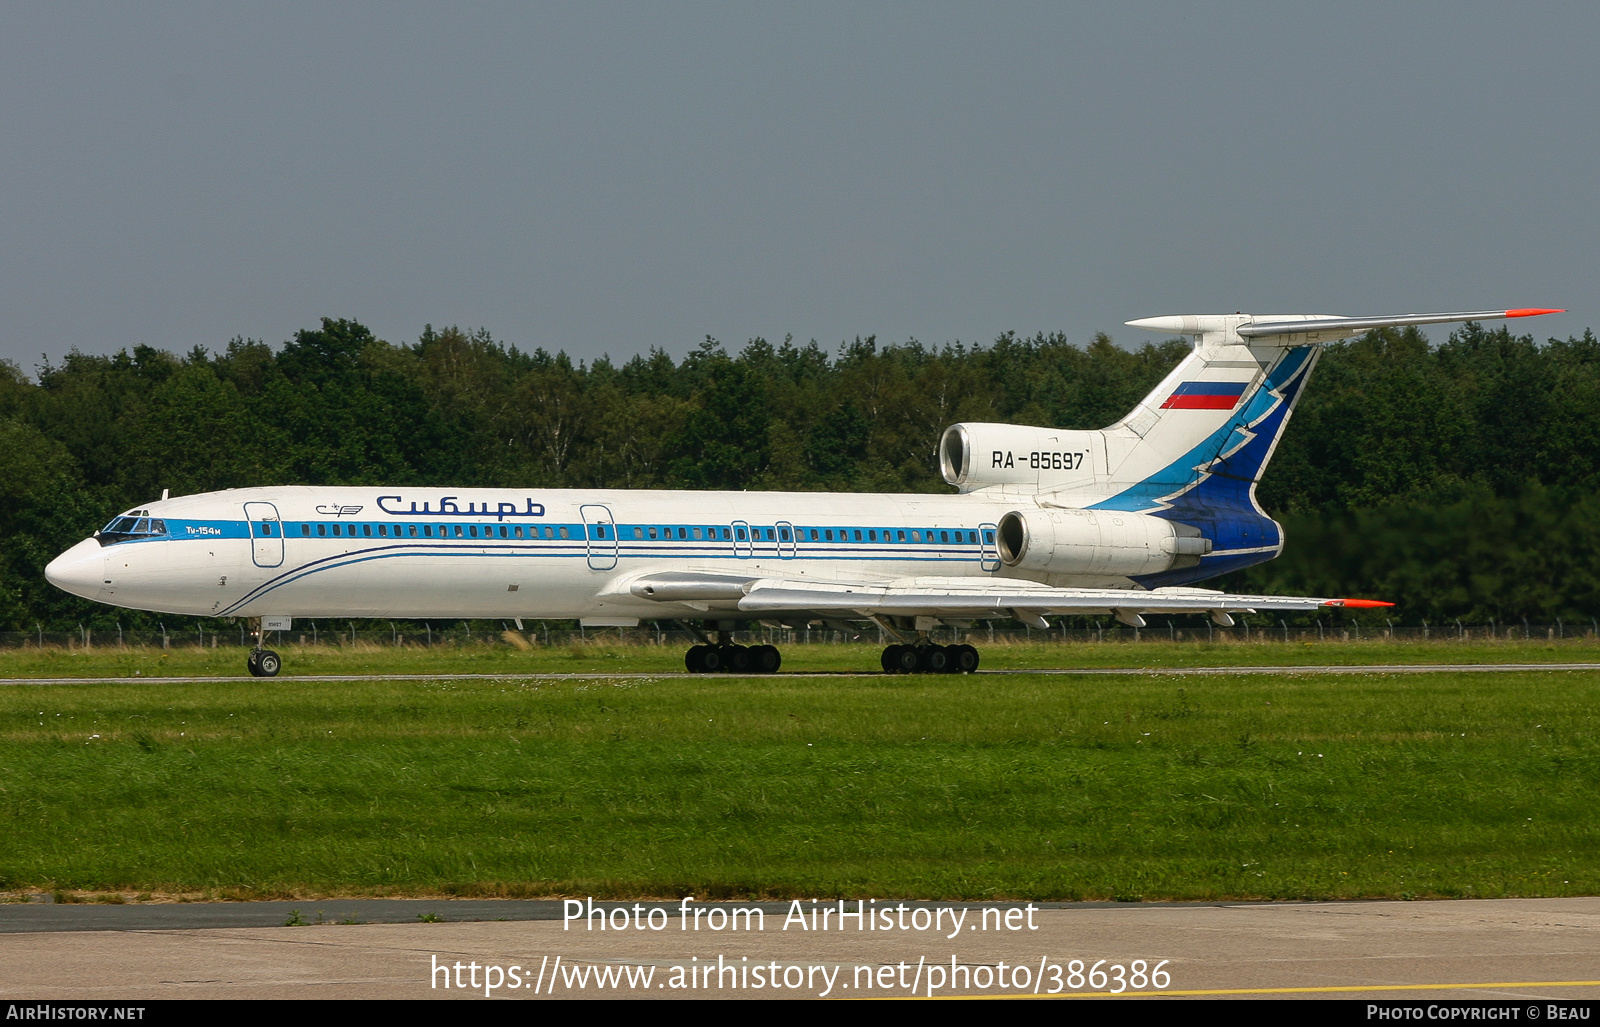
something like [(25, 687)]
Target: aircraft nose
[(81, 570)]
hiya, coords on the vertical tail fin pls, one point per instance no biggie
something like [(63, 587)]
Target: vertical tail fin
[(1195, 447), (1219, 413)]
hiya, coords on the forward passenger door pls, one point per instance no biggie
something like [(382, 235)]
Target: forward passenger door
[(266, 534)]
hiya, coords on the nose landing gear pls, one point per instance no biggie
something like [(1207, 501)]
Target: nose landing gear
[(262, 662)]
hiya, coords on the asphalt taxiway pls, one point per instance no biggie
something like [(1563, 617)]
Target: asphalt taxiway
[(1516, 951), (1383, 668)]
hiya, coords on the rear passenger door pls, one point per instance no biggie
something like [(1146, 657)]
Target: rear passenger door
[(600, 529), (988, 547)]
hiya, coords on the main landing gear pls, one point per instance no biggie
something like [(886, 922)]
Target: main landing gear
[(725, 656), (923, 657), (927, 658), (737, 659)]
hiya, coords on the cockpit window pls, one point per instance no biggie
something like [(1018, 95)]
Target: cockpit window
[(132, 527)]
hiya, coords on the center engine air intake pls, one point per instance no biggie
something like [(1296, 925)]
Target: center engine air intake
[(1097, 542), (976, 455)]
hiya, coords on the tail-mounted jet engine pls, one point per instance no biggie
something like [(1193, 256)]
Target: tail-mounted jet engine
[(1097, 542), (976, 455)]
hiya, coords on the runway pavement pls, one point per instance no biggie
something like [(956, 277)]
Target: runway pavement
[(1385, 668), (1513, 950)]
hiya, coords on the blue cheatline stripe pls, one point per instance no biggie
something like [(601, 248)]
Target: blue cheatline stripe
[(362, 530), (206, 529), (461, 532), (339, 560)]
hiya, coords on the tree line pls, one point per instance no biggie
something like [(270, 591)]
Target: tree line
[(1457, 479)]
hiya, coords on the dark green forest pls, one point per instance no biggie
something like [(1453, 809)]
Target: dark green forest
[(1455, 479)]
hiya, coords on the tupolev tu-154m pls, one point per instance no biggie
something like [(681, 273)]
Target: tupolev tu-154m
[(1046, 522)]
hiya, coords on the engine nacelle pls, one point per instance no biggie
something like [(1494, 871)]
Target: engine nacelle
[(1099, 543), (974, 455)]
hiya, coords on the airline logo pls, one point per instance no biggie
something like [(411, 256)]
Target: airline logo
[(1205, 396)]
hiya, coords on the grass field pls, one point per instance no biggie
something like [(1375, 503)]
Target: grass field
[(1015, 786)]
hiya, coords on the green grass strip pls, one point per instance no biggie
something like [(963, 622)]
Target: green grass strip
[(1021, 786)]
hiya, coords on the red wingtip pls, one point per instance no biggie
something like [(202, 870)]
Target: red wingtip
[(1357, 604), (1532, 312)]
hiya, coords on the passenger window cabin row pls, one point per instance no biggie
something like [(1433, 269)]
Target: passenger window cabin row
[(468, 531), (133, 525), (683, 533)]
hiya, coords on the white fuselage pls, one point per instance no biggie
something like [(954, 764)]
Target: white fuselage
[(514, 553), (1118, 520)]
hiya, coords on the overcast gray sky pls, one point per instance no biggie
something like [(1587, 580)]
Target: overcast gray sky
[(606, 178)]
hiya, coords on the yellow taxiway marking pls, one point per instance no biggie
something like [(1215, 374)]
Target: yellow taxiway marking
[(1326, 990)]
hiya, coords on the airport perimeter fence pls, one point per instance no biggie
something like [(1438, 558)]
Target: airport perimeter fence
[(459, 634)]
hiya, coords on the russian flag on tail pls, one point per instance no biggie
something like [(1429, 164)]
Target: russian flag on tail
[(1205, 396)]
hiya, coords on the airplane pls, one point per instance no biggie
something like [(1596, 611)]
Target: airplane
[(1045, 522)]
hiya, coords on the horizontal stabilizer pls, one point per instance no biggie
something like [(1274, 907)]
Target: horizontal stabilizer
[(1306, 328), (1354, 325)]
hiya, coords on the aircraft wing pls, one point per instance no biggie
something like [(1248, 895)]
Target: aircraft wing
[(955, 598)]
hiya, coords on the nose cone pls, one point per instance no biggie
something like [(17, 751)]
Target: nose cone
[(81, 570)]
